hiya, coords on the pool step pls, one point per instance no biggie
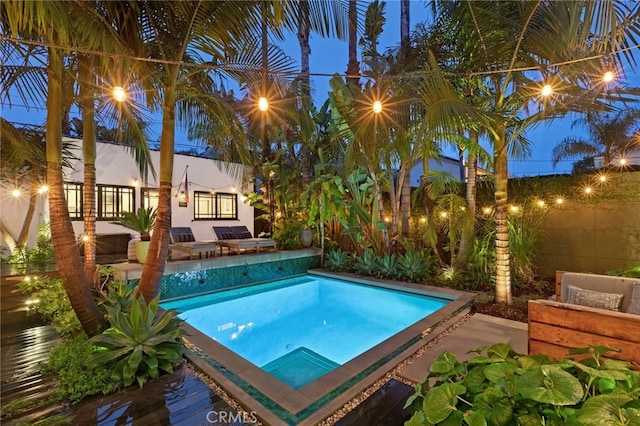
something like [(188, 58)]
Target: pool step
[(300, 367)]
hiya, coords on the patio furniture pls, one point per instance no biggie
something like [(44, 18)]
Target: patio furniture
[(237, 238), (589, 309), (182, 239)]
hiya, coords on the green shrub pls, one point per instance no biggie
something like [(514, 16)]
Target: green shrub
[(49, 299), (139, 343), (75, 381), (287, 235), (41, 253), (413, 267), (338, 260), (506, 388), (366, 264), (630, 271), (387, 267)]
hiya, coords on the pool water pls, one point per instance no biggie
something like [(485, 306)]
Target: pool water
[(299, 329)]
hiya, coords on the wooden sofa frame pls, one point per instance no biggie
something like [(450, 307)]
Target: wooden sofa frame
[(556, 327)]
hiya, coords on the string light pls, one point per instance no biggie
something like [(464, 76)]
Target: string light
[(16, 193), (43, 189), (444, 214), (622, 161), (377, 107), (608, 77), (263, 104), (547, 90), (119, 94)]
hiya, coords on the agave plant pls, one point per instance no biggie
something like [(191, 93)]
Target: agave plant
[(367, 263), (387, 267), (338, 260), (139, 343), (413, 267)]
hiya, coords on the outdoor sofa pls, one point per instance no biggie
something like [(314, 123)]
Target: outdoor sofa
[(237, 238), (183, 240), (589, 309)]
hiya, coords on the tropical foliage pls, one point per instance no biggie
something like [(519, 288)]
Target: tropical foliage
[(139, 344), (501, 387)]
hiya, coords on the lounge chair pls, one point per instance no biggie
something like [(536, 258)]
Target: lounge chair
[(236, 238), (182, 239)]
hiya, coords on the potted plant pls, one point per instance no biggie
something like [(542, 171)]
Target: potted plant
[(141, 221)]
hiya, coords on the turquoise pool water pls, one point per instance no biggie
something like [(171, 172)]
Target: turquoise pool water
[(299, 329)]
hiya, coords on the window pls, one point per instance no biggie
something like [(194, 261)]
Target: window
[(226, 206), (149, 197), (209, 206), (113, 201), (73, 195)]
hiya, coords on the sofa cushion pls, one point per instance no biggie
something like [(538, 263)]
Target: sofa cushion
[(594, 299), (634, 306)]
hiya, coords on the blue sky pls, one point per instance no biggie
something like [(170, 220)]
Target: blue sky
[(330, 56)]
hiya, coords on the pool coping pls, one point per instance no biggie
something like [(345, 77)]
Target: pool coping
[(276, 403)]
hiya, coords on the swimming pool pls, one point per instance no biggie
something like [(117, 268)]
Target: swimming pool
[(277, 403), (299, 329)]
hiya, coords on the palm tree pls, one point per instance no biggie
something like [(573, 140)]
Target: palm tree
[(609, 134), (59, 24), (353, 68), (502, 39)]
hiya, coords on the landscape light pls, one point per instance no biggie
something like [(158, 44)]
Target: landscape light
[(263, 104), (514, 209), (486, 210), (602, 178), (541, 203), (623, 161), (119, 94), (559, 200), (377, 107), (587, 190), (85, 238), (444, 214)]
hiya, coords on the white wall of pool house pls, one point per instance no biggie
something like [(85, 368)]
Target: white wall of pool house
[(116, 166)]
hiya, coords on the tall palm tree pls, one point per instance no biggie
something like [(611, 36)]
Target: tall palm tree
[(500, 41), (609, 135), (353, 67)]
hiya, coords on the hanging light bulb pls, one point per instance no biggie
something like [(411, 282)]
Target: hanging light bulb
[(263, 104), (546, 90), (377, 107), (608, 76), (16, 193), (119, 94)]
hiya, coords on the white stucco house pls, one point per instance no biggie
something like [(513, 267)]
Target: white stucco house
[(214, 194)]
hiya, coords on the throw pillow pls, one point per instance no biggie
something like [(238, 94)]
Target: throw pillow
[(594, 299), (634, 307)]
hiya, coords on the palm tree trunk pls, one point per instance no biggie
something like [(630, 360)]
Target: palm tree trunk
[(31, 209), (429, 207), (153, 271), (353, 68), (468, 232), (405, 25), (503, 268), (304, 30), (405, 198), (89, 156), (62, 234)]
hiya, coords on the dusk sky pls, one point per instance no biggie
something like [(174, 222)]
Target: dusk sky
[(330, 56)]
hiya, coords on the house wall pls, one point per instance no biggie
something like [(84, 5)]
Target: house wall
[(444, 164), (115, 166)]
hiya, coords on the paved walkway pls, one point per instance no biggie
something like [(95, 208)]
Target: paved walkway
[(478, 331)]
